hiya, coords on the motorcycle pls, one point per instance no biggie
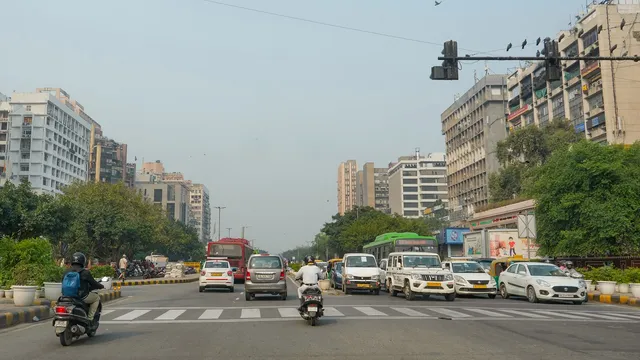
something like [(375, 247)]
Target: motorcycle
[(311, 305), (70, 320)]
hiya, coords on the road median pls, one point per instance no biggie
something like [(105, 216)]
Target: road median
[(160, 281), (619, 299)]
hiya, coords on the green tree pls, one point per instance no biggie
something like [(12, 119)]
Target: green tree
[(524, 150), (588, 201), (17, 207)]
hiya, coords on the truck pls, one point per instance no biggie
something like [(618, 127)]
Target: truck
[(497, 243)]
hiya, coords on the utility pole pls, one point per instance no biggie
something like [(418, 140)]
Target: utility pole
[(229, 229), (244, 227), (220, 208)]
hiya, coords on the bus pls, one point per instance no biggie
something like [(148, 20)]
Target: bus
[(237, 251), (387, 243)]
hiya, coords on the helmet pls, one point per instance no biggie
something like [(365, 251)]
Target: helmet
[(569, 264), (79, 259), (309, 259)]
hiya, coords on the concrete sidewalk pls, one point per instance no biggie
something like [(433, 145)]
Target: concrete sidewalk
[(158, 281), (11, 315), (621, 299)]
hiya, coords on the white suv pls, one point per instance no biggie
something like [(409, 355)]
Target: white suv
[(418, 273)]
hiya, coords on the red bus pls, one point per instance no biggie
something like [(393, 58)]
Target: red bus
[(237, 251)]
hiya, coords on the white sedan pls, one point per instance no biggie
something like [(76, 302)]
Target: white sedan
[(216, 274), (541, 281)]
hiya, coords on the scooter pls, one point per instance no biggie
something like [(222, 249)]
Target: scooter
[(70, 320), (311, 305)]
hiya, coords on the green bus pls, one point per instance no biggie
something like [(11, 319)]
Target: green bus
[(387, 243)]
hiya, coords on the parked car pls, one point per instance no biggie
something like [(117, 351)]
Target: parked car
[(541, 281)]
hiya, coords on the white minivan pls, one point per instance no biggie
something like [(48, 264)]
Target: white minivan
[(360, 272)]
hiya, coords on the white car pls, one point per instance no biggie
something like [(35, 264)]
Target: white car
[(216, 274), (471, 278), (541, 281)]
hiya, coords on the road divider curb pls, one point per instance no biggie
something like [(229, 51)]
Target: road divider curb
[(117, 284), (614, 299)]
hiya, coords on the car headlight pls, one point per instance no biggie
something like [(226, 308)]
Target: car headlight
[(492, 282), (375, 277), (583, 284), (543, 283), (416, 276), (448, 277), (348, 276), (460, 279)]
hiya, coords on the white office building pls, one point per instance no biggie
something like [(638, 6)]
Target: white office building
[(5, 109), (416, 183), (48, 142)]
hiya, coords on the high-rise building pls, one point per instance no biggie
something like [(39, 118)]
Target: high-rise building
[(201, 211), (110, 161), (473, 125), (347, 186), (173, 197), (49, 141), (130, 175), (373, 187), (5, 109), (599, 98), (416, 183)]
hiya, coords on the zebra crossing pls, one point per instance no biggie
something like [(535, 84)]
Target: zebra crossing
[(348, 312)]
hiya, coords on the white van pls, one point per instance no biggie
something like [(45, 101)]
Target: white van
[(418, 273), (360, 272)]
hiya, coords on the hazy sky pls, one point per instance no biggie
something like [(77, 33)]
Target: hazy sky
[(260, 108)]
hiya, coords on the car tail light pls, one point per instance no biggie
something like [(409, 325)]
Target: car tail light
[(282, 275), (203, 273), (248, 276), (62, 310), (229, 273)]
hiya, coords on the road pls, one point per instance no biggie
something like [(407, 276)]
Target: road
[(169, 321)]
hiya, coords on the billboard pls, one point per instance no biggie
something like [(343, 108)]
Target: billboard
[(504, 243), (473, 245), (454, 235)]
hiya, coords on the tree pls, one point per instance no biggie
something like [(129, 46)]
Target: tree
[(524, 150), (588, 201), (17, 207)]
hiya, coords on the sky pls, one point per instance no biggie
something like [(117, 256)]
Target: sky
[(262, 108)]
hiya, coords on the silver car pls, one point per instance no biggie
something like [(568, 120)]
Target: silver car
[(265, 275)]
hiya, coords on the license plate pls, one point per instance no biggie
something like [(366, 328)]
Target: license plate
[(312, 308), (61, 324), (264, 276), (216, 274), (565, 295), (479, 286), (363, 285), (433, 284)]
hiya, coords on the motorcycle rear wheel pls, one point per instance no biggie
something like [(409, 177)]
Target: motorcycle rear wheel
[(66, 338)]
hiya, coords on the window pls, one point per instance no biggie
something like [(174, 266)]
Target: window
[(171, 193), (28, 108), (157, 194), (24, 167), (361, 261), (590, 38), (557, 103), (27, 120), (3, 137), (3, 148), (265, 262), (171, 211), (216, 265)]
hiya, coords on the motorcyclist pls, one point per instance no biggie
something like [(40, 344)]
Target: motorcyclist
[(310, 274), (87, 284), (571, 270)]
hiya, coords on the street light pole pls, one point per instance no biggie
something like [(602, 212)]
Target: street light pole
[(219, 216), (244, 227), (229, 229)]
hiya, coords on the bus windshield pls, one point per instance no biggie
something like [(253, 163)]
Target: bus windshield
[(226, 250), (421, 261)]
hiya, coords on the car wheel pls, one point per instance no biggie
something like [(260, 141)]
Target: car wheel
[(247, 296), (231, 289), (492, 296), (531, 294), (503, 291), (201, 289), (450, 297), (408, 294)]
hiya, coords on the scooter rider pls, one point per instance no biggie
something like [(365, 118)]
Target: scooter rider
[(87, 284), (309, 274)]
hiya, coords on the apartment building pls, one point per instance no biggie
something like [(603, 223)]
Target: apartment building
[(416, 183), (155, 167), (5, 108), (201, 211), (347, 186), (110, 161), (48, 142), (599, 98), (130, 176), (173, 197), (373, 187), (473, 125)]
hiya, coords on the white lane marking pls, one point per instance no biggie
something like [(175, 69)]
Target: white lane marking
[(625, 315), (210, 314), (369, 311), (250, 313), (288, 312), (451, 313), (562, 315), (408, 311), (486, 312), (332, 312), (105, 312), (520, 313), (600, 316), (131, 315), (170, 315)]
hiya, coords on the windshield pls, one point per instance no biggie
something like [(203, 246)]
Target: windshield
[(467, 268), (485, 264), (361, 261), (265, 262), (322, 264), (216, 264), (228, 250), (545, 270), (421, 261), (338, 266)]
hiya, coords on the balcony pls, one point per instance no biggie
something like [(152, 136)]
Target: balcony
[(519, 112), (590, 69)]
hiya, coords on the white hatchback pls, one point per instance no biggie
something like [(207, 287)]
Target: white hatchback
[(540, 281), (216, 274)]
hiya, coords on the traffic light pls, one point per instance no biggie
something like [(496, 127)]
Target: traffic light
[(552, 63), (449, 68)]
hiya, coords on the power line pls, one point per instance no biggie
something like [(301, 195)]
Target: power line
[(343, 27)]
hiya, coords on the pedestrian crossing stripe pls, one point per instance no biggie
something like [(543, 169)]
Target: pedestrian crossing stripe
[(129, 315)]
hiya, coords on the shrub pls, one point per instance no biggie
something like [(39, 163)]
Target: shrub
[(609, 273), (53, 274), (295, 267), (102, 271)]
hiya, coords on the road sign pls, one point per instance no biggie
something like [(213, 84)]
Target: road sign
[(527, 226)]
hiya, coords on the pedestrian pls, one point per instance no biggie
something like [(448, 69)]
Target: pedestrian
[(123, 266)]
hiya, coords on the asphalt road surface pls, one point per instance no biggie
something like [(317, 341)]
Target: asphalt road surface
[(176, 321)]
